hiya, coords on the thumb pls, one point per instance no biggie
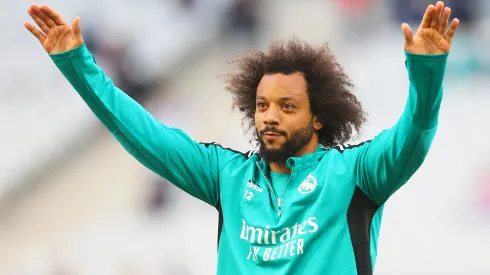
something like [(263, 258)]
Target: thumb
[(77, 33), (407, 32)]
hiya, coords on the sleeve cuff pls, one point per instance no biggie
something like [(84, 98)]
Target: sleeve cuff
[(70, 53), (425, 59), (428, 57)]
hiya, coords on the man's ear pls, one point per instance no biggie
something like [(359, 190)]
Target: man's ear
[(317, 125)]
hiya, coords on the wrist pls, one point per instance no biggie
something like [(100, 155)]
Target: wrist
[(69, 53)]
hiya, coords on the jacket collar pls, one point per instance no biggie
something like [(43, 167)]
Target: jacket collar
[(300, 162)]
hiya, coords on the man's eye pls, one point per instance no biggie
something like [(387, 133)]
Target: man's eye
[(261, 105), (288, 107)]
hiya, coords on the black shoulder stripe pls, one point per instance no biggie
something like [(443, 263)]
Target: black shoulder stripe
[(207, 144), (251, 153), (342, 147)]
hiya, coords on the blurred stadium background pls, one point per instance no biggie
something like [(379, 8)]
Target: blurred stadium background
[(73, 202)]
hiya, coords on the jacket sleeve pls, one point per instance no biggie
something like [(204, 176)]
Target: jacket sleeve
[(384, 164), (169, 152)]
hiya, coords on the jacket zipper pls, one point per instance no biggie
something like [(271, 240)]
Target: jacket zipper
[(277, 207), (285, 193), (270, 189)]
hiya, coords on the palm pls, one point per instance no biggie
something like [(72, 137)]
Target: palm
[(429, 41), (431, 37), (59, 39), (56, 34)]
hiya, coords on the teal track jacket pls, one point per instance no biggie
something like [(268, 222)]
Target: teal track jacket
[(322, 219)]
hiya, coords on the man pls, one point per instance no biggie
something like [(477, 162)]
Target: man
[(300, 205)]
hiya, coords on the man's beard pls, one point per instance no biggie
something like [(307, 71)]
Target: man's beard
[(293, 144)]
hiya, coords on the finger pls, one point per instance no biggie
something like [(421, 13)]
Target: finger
[(50, 22), (41, 24), (76, 29), (55, 16), (39, 35), (427, 17), (434, 23), (445, 19), (408, 33), (452, 31)]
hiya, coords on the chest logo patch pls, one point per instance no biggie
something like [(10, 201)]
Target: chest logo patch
[(308, 185)]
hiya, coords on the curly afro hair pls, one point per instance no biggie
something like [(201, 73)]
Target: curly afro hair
[(329, 88)]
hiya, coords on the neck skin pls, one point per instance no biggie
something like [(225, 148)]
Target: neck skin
[(310, 147)]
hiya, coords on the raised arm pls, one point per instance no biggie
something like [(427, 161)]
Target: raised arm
[(382, 165), (167, 151)]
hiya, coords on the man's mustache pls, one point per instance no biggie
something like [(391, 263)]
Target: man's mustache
[(272, 130)]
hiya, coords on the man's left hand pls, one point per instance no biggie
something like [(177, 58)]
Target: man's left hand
[(431, 37)]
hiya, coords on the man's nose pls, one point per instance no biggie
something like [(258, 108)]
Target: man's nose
[(271, 116)]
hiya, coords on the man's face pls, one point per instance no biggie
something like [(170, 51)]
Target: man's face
[(283, 118)]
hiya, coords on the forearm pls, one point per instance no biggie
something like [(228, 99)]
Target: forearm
[(169, 152), (421, 113), (387, 162), (80, 69), (125, 119), (426, 74)]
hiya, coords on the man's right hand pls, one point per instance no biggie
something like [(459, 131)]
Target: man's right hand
[(56, 35)]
